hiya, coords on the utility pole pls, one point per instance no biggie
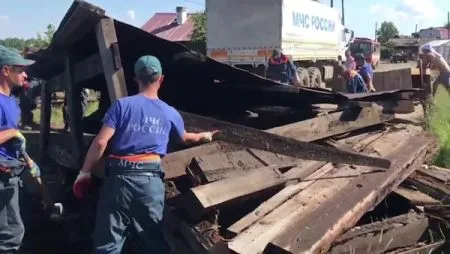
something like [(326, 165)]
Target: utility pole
[(331, 3), (343, 16), (376, 27), (448, 25)]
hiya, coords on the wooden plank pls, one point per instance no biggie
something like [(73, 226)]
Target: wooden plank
[(175, 163), (426, 249), (325, 187), (114, 75), (308, 172), (210, 168), (415, 197), (212, 195), (44, 127), (430, 186), (202, 237), (333, 124), (81, 71), (379, 237), (440, 212), (441, 174), (77, 23), (75, 112), (342, 212), (257, 139)]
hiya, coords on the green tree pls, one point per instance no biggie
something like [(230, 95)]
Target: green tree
[(387, 31), (41, 40), (199, 33)]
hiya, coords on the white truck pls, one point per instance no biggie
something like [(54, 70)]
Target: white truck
[(244, 33)]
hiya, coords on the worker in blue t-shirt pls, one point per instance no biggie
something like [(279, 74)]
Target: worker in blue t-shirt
[(138, 129), (366, 71), (12, 147)]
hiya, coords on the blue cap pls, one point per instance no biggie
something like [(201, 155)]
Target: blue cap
[(12, 57), (147, 66)]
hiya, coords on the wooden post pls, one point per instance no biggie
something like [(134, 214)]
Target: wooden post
[(44, 128), (74, 110), (109, 53)]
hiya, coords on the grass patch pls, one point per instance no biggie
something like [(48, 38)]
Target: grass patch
[(439, 125), (56, 118)]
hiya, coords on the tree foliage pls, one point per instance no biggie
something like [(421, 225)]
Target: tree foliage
[(387, 31), (199, 33), (41, 41)]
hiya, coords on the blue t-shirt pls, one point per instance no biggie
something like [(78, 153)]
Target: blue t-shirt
[(142, 125), (366, 71), (9, 119)]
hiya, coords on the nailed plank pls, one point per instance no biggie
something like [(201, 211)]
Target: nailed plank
[(340, 213), (308, 172), (333, 124), (415, 197), (212, 195), (175, 163), (378, 237), (109, 53), (210, 168)]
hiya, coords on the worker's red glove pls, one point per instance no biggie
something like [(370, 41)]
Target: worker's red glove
[(82, 184)]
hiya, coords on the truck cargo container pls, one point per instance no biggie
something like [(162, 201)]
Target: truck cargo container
[(244, 33)]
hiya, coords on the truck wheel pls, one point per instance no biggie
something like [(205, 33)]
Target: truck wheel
[(315, 77), (303, 76)]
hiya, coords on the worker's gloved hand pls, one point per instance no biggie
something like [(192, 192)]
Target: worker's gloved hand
[(82, 184), (23, 142), (208, 136), (35, 171)]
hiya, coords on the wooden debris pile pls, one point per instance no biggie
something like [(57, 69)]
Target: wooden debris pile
[(223, 198)]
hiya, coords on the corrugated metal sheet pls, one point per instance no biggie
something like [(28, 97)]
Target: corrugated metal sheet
[(164, 25), (443, 48)]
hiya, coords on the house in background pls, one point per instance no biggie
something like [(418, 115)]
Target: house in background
[(176, 27), (435, 33)]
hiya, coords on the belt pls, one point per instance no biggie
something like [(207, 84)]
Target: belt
[(142, 164)]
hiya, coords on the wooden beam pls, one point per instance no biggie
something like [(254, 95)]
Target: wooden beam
[(44, 127), (175, 164), (307, 172), (75, 112), (77, 22), (341, 213), (438, 173), (379, 237), (419, 249), (109, 53), (415, 197), (81, 71), (310, 203), (214, 167), (212, 195), (257, 139), (333, 124)]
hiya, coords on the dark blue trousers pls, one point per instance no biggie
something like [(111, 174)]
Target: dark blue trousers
[(11, 226), (127, 199)]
